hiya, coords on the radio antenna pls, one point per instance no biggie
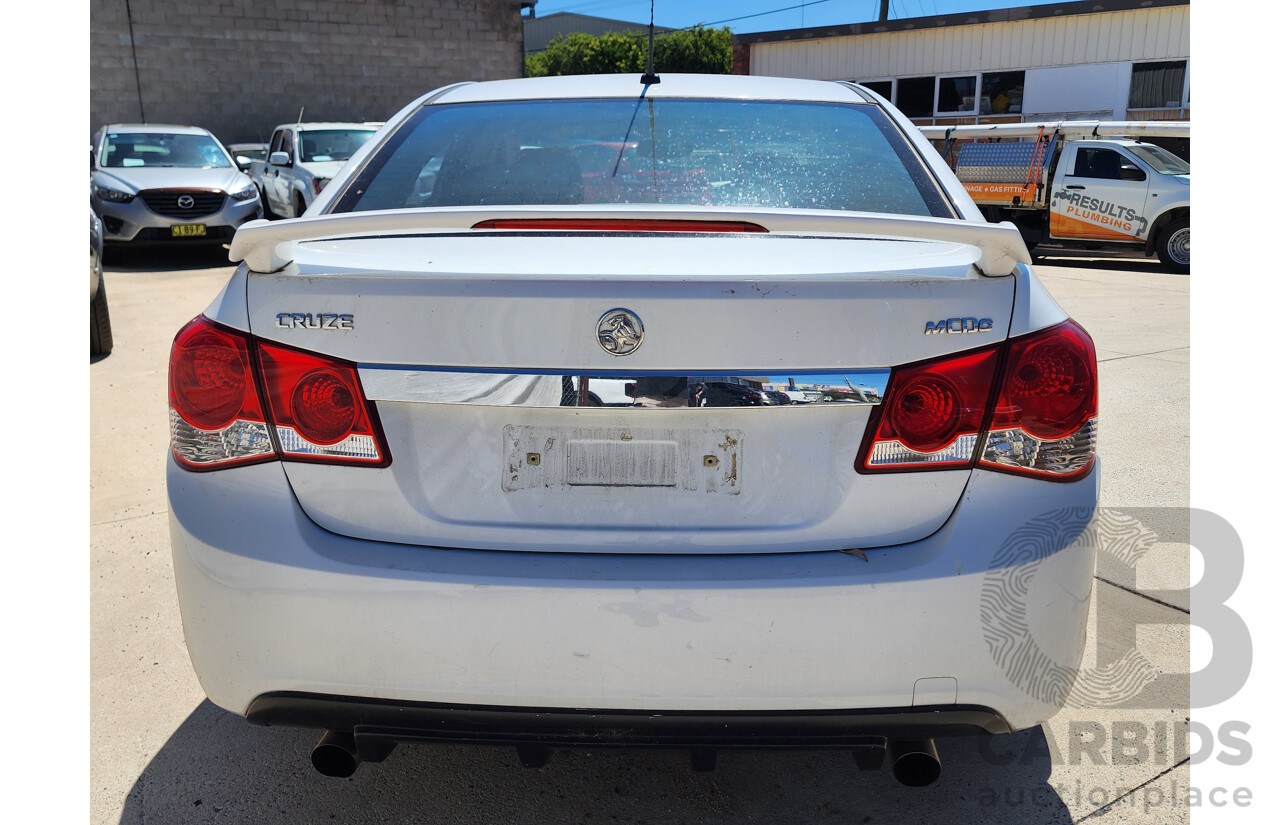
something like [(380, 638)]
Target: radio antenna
[(649, 77)]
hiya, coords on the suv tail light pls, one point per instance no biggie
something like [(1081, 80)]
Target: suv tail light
[(234, 400), (1028, 406)]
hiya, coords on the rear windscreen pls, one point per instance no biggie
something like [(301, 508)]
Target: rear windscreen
[(730, 153)]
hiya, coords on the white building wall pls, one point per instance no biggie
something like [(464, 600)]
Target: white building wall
[(1113, 37), (1100, 88)]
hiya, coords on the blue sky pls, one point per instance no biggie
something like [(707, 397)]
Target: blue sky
[(769, 15)]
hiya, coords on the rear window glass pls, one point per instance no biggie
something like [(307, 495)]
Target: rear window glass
[(728, 153)]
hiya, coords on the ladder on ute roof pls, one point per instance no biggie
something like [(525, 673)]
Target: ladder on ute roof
[(1065, 128), (1034, 170)]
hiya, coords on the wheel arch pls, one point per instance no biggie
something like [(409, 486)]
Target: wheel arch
[(1164, 219), (298, 193)]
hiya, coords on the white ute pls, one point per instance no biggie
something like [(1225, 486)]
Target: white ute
[(301, 159), (400, 512), (1080, 184)]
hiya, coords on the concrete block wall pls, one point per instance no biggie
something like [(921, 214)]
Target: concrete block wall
[(239, 67)]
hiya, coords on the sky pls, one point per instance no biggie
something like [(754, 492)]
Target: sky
[(745, 16)]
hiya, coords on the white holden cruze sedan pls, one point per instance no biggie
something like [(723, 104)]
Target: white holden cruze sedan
[(401, 513)]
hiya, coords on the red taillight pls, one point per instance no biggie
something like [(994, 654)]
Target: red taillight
[(324, 405), (620, 225), (1037, 416), (932, 414), (215, 413), (318, 408), (1050, 386), (211, 382), (1046, 415), (218, 415)]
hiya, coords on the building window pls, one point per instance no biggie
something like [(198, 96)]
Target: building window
[(915, 96), (884, 88), (1001, 93), (1157, 85), (957, 94)]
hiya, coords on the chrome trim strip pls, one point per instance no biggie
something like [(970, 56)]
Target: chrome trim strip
[(620, 388)]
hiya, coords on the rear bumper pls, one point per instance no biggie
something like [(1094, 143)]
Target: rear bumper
[(272, 604), (390, 721)]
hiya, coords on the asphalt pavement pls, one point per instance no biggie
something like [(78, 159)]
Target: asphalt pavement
[(161, 752)]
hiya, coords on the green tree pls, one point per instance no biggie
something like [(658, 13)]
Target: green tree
[(586, 54), (698, 50)]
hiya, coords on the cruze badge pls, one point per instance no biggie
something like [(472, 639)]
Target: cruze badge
[(958, 326), (620, 332), (320, 320)]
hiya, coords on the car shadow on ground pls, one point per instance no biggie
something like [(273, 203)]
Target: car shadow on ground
[(164, 258), (216, 766)]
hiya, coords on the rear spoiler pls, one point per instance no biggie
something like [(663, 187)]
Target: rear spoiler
[(269, 246)]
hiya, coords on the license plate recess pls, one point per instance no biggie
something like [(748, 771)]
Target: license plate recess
[(569, 458)]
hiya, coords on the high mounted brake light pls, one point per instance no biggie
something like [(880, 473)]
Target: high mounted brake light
[(620, 225), (1028, 406), (234, 400)]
